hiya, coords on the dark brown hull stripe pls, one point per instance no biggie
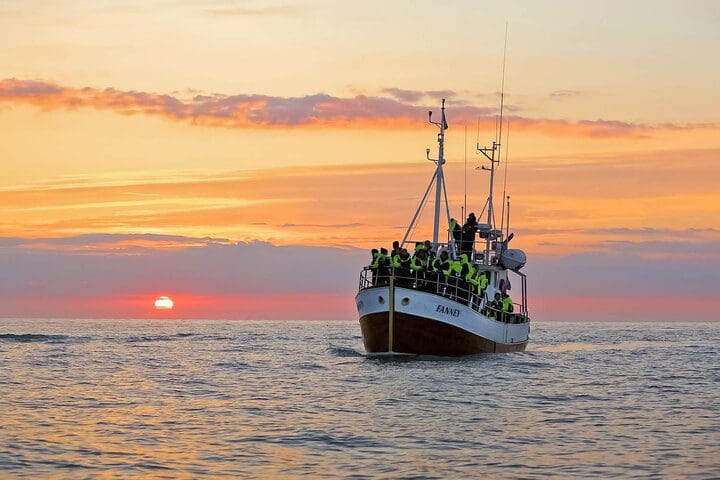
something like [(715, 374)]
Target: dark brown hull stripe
[(422, 336)]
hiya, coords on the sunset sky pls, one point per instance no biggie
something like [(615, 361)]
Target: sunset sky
[(242, 157)]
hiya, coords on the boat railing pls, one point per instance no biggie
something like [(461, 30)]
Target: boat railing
[(505, 317), (486, 258), (452, 287)]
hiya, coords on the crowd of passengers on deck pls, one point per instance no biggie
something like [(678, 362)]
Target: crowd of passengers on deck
[(455, 278)]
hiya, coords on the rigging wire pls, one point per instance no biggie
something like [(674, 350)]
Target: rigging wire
[(482, 212), (422, 209), (453, 248)]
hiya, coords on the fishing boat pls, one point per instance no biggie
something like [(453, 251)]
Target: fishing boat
[(424, 312)]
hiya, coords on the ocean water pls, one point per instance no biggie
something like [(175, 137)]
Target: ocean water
[(194, 399)]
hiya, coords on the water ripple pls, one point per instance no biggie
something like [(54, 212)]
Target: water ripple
[(149, 399)]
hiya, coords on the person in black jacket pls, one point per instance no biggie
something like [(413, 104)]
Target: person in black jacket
[(495, 307), (395, 249), (469, 230)]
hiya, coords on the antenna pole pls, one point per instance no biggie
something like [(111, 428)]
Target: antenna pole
[(465, 197), (496, 145), (491, 211), (489, 153), (507, 226), (502, 84), (507, 149)]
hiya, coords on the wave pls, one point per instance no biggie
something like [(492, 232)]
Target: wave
[(32, 337), (338, 351), (157, 338), (233, 365)]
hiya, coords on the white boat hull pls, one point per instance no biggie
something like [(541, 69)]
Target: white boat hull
[(428, 324)]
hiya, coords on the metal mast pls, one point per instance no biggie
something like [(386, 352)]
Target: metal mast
[(439, 175), (489, 153), (438, 179)]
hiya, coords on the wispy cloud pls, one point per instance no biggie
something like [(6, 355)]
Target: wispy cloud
[(321, 225), (565, 93), (413, 96), (108, 243), (689, 233), (237, 11), (242, 8), (399, 110)]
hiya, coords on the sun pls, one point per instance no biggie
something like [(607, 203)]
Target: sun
[(164, 303)]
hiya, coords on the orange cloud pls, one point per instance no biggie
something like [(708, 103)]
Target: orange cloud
[(395, 111), (558, 207)]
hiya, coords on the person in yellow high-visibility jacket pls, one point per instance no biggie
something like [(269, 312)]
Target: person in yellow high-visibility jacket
[(466, 288), (507, 307), (441, 270), (375, 263), (419, 265), (507, 304), (482, 279), (478, 282), (383, 270)]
